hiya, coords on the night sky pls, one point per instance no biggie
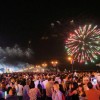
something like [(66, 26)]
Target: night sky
[(36, 25)]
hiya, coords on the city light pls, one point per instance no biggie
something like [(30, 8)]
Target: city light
[(69, 58), (54, 63), (44, 65), (37, 66), (71, 61)]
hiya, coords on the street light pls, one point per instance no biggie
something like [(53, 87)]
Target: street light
[(37, 66), (54, 63), (71, 61), (44, 65)]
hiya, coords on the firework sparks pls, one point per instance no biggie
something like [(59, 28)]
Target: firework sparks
[(84, 44)]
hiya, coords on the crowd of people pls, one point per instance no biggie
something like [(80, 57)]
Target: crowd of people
[(50, 86)]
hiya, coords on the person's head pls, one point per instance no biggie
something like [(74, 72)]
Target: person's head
[(3, 86), (69, 85), (18, 81), (80, 88), (12, 80), (90, 86), (10, 91), (0, 85), (56, 82), (85, 80), (27, 82), (76, 79), (39, 86), (74, 86), (56, 86), (70, 78), (61, 88), (49, 79), (32, 85)]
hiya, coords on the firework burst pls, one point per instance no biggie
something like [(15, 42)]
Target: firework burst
[(84, 43)]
